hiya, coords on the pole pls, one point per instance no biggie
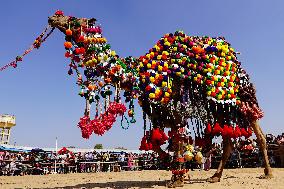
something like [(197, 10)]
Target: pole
[(55, 156)]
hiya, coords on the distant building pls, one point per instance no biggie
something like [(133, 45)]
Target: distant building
[(6, 123)]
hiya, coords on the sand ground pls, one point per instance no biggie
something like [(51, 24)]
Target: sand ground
[(232, 178)]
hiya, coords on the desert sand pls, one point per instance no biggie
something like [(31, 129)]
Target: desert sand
[(232, 178)]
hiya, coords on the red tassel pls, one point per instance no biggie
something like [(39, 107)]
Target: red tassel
[(230, 132), (225, 131), (156, 135), (150, 146), (217, 129), (237, 132), (249, 131), (164, 136), (170, 133), (244, 132), (143, 143), (208, 129)]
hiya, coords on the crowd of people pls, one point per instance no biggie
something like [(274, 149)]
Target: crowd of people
[(22, 163), (246, 154)]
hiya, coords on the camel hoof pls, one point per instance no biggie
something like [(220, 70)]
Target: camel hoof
[(268, 176), (213, 179), (171, 184), (175, 182)]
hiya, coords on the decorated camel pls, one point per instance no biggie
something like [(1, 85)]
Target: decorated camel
[(183, 81)]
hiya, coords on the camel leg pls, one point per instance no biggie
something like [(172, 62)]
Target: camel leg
[(227, 149), (177, 180), (263, 148)]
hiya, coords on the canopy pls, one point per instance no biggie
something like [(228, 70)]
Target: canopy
[(3, 148)]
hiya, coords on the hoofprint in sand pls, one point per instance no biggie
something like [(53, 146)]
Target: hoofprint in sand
[(246, 178)]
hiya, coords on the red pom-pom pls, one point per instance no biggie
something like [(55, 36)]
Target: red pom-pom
[(86, 126), (67, 54), (59, 12), (77, 51), (81, 38), (68, 32)]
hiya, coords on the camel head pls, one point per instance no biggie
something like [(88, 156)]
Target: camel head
[(89, 50)]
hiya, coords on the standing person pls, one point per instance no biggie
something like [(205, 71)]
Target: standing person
[(121, 159), (130, 161)]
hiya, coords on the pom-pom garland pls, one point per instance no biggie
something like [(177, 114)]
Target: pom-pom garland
[(102, 123)]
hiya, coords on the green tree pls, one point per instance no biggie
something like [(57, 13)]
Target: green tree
[(98, 146)]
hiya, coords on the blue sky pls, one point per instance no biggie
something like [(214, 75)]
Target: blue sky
[(44, 97)]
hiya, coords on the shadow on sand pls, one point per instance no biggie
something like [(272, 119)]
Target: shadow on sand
[(128, 184), (117, 184)]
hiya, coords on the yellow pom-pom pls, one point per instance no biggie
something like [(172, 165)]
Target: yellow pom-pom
[(167, 94), (164, 84), (189, 148), (188, 156), (152, 95), (157, 76), (198, 157), (152, 79), (113, 53), (157, 92), (178, 73)]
